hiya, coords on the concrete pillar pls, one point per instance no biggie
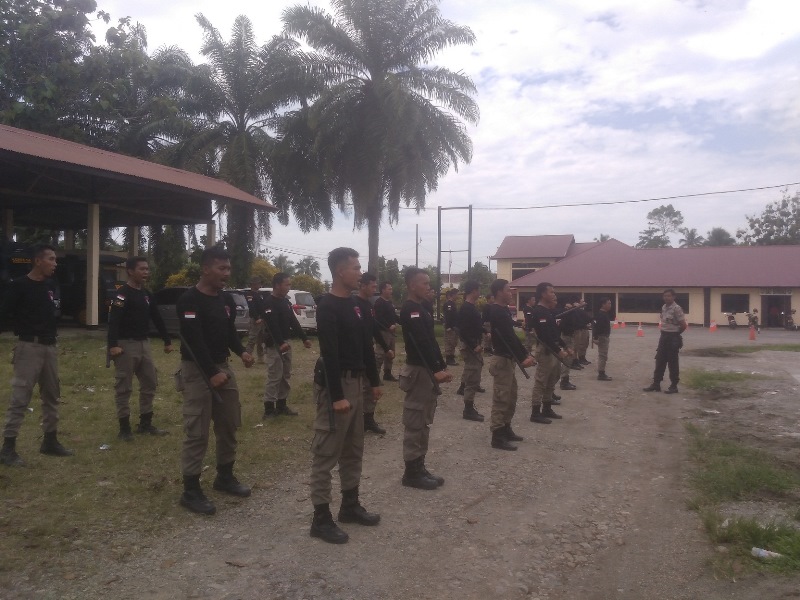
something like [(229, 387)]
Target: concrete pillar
[(8, 224), (69, 239), (93, 266), (211, 233), (133, 241)]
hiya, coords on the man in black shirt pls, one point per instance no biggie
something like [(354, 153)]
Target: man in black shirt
[(601, 333), (32, 304), (450, 314), (366, 291), (487, 335), (386, 318), (507, 351), (424, 363), (470, 331), (527, 312), (583, 323), (206, 315), (279, 323), (255, 334), (129, 316), (346, 365), (550, 353), (568, 325)]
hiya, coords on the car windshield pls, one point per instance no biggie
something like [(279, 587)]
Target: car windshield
[(304, 298)]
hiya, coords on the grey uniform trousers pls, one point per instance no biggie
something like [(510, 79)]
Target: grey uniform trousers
[(279, 371), (419, 408), (471, 376), (504, 396), (137, 360), (33, 363)]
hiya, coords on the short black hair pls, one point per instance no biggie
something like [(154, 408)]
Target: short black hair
[(279, 278), (412, 272), (382, 285), (669, 291), (131, 263), (39, 249), (603, 300), (542, 288), (339, 255), (213, 253), (498, 285), (470, 286), (367, 278)]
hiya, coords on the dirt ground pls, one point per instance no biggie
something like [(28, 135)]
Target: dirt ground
[(591, 507)]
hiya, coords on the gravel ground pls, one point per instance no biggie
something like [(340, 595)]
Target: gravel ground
[(590, 507)]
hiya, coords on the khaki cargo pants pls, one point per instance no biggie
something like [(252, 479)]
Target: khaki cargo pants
[(569, 342), (602, 352), (134, 360), (199, 409), (531, 341), (471, 376), (343, 446), (419, 408), (504, 394), (450, 341), (581, 342), (33, 363), (381, 359), (255, 337), (279, 371), (547, 374)]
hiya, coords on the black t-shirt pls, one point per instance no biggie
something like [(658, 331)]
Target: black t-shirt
[(254, 302), (504, 341), (602, 324), (32, 306), (470, 325), (384, 313), (207, 323), (129, 316), (345, 342), (422, 349), (280, 320), (368, 314), (544, 324), (527, 312), (450, 312)]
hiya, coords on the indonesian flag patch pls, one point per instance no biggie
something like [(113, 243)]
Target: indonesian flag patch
[(542, 320), (415, 315), (189, 315), (357, 309), (227, 310)]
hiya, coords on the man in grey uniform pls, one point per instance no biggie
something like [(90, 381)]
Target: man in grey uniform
[(673, 324)]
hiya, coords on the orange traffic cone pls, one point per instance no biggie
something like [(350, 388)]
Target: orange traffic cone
[(713, 327), (640, 331), (752, 334), (615, 325), (622, 324)]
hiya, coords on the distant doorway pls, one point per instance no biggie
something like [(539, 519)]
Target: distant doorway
[(774, 308)]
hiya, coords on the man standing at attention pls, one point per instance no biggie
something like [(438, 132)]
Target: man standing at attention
[(206, 316), (345, 367), (424, 364), (550, 354), (507, 351), (450, 313), (129, 316), (279, 323), (255, 334), (32, 304), (470, 331), (601, 333), (366, 290), (673, 324), (386, 318)]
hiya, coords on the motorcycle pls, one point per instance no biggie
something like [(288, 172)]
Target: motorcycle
[(752, 320), (788, 321), (731, 320)]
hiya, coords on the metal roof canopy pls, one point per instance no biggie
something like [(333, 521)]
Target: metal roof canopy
[(54, 184)]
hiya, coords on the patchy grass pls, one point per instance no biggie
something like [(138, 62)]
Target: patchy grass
[(718, 381), (728, 471), (730, 351)]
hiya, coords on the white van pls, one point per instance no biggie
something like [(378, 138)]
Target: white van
[(303, 305)]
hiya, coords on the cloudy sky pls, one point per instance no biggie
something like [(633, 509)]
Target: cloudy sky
[(582, 101)]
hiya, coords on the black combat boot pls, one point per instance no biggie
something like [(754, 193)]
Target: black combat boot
[(323, 527), (269, 409), (125, 433), (547, 411), (146, 425), (8, 455), (653, 387), (538, 417), (428, 474), (193, 497), (576, 364), (470, 414), (672, 389), (584, 362), (51, 445), (460, 390), (481, 390), (351, 510), (601, 376), (226, 482), (566, 385), (451, 360), (510, 435), (387, 376), (556, 398), (282, 409), (499, 440), (414, 476), (371, 425)]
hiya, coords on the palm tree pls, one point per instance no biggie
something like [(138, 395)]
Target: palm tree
[(604, 237), (228, 107), (690, 238), (719, 237), (283, 264), (386, 124), (308, 266)]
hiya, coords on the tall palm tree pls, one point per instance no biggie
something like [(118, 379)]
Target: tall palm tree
[(229, 107), (691, 239), (719, 237), (387, 125), (308, 266)]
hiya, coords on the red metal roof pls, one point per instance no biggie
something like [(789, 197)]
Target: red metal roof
[(47, 148), (534, 246), (614, 264)]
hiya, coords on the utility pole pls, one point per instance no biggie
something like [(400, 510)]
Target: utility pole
[(439, 249), (416, 245)]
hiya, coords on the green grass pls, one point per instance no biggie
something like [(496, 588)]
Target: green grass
[(709, 381), (726, 471), (57, 505), (773, 347)]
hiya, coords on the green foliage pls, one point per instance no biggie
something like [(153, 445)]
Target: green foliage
[(480, 273), (284, 265), (707, 381), (187, 276), (307, 283), (778, 224), (652, 238), (661, 222), (308, 266), (691, 239), (719, 237), (264, 269), (169, 253)]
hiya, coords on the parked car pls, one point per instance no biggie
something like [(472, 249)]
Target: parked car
[(304, 306), (168, 297)]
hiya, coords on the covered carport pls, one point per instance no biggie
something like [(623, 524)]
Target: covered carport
[(54, 184)]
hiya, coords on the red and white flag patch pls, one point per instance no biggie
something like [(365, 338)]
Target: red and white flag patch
[(189, 315), (415, 315)]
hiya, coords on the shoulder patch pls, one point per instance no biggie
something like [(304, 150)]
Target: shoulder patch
[(414, 315)]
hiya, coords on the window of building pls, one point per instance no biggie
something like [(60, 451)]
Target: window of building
[(521, 269), (735, 303), (648, 302)]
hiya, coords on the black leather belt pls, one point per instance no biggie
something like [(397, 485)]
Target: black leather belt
[(46, 340)]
